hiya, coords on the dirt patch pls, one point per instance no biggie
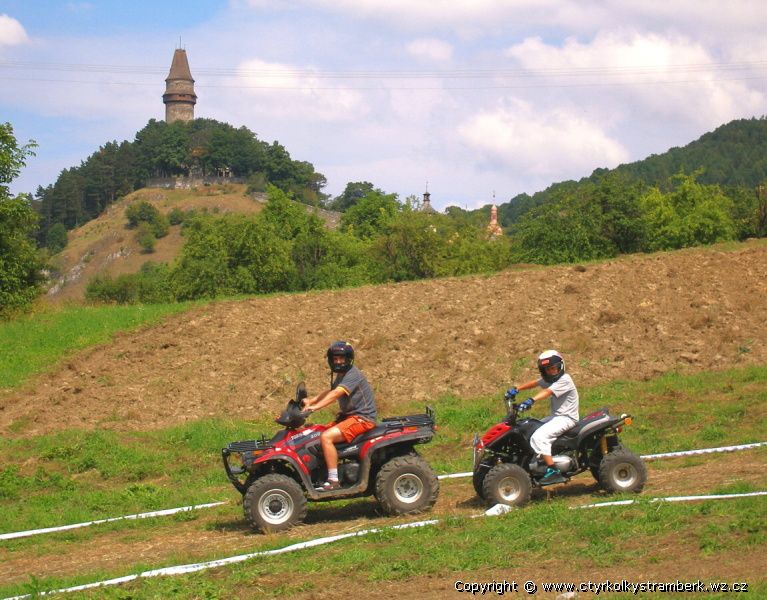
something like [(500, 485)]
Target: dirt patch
[(632, 318)]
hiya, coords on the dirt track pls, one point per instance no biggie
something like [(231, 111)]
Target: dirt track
[(631, 318)]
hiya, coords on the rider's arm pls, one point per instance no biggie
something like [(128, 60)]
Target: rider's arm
[(542, 395), (527, 386), (324, 399)]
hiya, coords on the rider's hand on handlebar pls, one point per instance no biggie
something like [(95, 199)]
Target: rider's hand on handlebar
[(526, 405), (511, 393)]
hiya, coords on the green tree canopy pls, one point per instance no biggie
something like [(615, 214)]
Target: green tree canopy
[(371, 214), (353, 193), (20, 264), (690, 214)]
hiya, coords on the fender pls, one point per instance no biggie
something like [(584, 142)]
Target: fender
[(418, 437), (496, 432)]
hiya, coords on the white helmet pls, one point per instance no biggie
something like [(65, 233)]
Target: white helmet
[(551, 358)]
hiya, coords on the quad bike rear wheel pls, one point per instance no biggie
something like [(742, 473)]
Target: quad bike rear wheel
[(274, 503), (507, 483), (406, 485), (622, 471), (595, 458)]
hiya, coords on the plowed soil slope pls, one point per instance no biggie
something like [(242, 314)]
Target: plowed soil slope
[(631, 318)]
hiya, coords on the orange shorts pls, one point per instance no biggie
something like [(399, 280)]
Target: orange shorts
[(352, 426)]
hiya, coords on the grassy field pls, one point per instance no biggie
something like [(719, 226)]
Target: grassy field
[(74, 476), (35, 342)]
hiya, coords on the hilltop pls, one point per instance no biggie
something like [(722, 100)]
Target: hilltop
[(629, 318), (105, 246)]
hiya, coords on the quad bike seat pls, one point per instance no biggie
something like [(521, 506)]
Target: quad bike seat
[(363, 437), (584, 428)]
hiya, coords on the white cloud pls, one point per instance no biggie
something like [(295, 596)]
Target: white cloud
[(11, 32), (476, 18), (283, 90), (660, 74), (430, 49), (554, 143)]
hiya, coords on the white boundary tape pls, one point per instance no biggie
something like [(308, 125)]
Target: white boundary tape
[(146, 515), (192, 568), (703, 451), (496, 510), (170, 511), (674, 499)]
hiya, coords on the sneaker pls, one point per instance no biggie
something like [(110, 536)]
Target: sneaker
[(329, 485), (552, 475)]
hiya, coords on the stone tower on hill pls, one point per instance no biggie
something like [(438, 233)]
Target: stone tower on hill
[(179, 97)]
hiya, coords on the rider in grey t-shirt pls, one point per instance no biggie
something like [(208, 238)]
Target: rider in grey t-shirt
[(564, 398), (359, 399)]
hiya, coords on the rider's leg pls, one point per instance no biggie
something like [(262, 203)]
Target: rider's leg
[(328, 440), (345, 431), (544, 437)]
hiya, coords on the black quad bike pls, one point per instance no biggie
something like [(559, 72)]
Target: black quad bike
[(506, 468), (278, 475)]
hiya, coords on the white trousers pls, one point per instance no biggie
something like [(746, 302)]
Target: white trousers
[(551, 429)]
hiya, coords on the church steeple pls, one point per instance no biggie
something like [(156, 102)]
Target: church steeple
[(179, 97), (426, 205)]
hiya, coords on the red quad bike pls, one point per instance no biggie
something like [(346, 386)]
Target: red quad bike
[(277, 476), (506, 468)]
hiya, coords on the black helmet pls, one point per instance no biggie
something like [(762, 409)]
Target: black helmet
[(341, 349), (551, 358)]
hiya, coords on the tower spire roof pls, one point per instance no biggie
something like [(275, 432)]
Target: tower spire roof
[(179, 68)]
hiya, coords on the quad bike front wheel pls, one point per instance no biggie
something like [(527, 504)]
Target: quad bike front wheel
[(507, 483), (622, 471), (478, 477), (406, 485), (274, 503)]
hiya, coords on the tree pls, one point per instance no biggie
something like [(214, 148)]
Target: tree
[(286, 217), (569, 230), (749, 211), (409, 249), (690, 214), (371, 214), (618, 197), (56, 240), (353, 193), (203, 268), (20, 264)]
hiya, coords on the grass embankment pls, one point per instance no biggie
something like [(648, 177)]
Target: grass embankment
[(33, 343), (75, 476)]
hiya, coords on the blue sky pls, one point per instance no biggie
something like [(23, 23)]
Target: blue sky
[(477, 97)]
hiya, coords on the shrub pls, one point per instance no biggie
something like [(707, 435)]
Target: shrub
[(56, 239), (146, 238), (176, 216), (256, 183), (151, 285), (143, 212)]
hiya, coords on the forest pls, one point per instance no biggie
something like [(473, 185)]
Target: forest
[(666, 202)]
